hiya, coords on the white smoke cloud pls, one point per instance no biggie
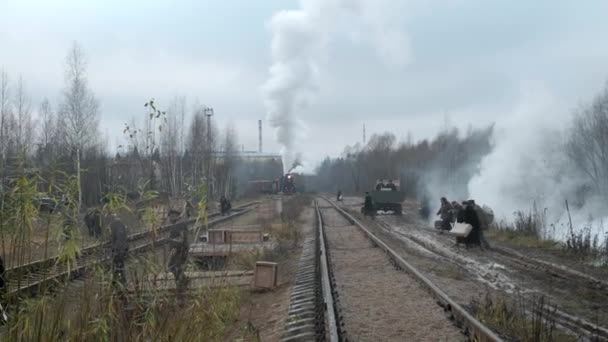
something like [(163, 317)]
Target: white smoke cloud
[(528, 165), (515, 173), (299, 46)]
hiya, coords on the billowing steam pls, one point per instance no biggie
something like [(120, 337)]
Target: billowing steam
[(299, 46), (528, 166)]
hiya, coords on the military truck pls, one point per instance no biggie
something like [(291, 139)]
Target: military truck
[(387, 196)]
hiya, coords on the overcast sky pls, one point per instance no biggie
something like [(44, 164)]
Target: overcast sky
[(468, 61)]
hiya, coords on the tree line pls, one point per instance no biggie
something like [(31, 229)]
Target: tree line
[(170, 148), (575, 161)]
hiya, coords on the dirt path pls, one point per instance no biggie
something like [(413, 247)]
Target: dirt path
[(378, 302)]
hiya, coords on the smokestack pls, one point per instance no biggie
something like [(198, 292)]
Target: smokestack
[(260, 136)]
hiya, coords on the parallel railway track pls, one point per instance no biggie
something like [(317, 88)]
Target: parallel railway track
[(573, 324), (28, 279), (316, 291)]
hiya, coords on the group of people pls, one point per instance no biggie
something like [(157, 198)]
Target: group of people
[(390, 185), (465, 212)]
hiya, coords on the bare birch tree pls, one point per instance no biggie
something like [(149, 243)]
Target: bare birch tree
[(587, 146), (79, 109), (24, 132), (48, 132), (5, 112), (196, 145)]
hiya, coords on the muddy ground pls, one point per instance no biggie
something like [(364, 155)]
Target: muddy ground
[(469, 273)]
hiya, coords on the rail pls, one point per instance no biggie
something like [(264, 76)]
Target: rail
[(28, 278), (473, 328), (327, 289)]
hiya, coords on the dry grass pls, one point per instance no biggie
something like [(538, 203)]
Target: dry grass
[(521, 319)]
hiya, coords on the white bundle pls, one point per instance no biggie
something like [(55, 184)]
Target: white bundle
[(461, 229)]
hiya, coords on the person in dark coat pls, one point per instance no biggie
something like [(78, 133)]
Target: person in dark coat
[(339, 196), (445, 212), (120, 250), (224, 205), (180, 246), (93, 222), (469, 215), (368, 205)]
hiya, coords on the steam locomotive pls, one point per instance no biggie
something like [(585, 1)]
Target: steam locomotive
[(287, 183)]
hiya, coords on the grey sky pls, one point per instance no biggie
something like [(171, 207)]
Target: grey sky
[(470, 61)]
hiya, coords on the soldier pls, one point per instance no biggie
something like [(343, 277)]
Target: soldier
[(368, 206), (445, 212), (120, 250), (179, 254), (469, 216), (93, 222), (224, 205), (484, 222), (456, 210)]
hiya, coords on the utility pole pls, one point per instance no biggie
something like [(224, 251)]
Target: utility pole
[(363, 135), (209, 114), (260, 136)]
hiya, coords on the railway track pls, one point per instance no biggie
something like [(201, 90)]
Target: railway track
[(352, 292), (28, 279), (575, 325)]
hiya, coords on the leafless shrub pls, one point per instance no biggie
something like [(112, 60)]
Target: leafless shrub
[(531, 223), (587, 146)]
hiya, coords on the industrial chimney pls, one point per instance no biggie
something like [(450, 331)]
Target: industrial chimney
[(260, 136)]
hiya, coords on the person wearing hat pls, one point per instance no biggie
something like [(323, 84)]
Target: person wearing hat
[(445, 212), (120, 249)]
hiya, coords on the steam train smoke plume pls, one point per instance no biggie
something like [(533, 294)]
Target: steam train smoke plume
[(299, 43), (295, 164)]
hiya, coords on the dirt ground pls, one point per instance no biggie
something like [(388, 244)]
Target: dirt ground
[(263, 312)]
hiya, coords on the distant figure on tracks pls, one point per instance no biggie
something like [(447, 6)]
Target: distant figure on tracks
[(120, 250), (368, 206), (339, 196), (225, 205), (180, 246)]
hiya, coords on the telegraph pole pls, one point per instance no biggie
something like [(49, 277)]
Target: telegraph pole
[(209, 114), (364, 135)]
